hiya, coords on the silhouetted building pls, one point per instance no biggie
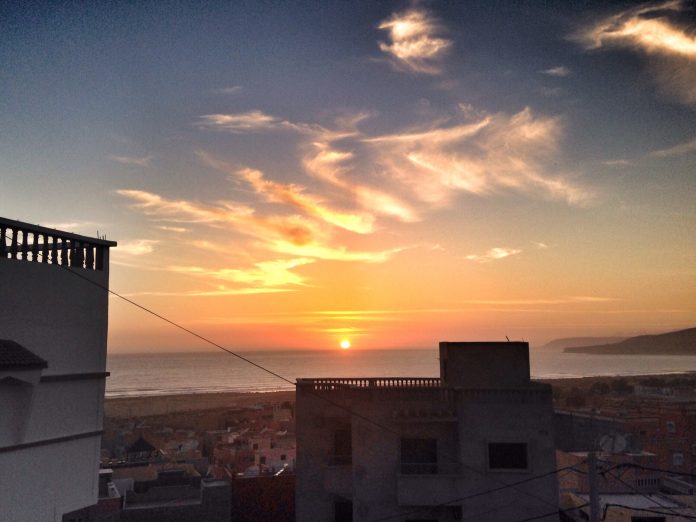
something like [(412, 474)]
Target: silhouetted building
[(411, 447), (52, 370)]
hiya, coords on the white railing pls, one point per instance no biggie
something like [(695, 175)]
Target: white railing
[(35, 244)]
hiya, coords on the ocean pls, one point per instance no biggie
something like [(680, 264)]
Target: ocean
[(205, 372)]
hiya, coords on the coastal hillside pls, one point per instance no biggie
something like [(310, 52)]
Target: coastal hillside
[(681, 342), (567, 342)]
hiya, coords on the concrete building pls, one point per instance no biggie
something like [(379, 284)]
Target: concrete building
[(53, 322), (428, 448)]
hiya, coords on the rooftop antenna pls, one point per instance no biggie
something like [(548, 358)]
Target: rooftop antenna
[(507, 338)]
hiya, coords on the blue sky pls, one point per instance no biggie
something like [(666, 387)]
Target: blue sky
[(275, 161)]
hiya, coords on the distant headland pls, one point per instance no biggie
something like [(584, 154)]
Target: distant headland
[(681, 342)]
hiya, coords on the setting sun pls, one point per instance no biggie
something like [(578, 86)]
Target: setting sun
[(345, 344)]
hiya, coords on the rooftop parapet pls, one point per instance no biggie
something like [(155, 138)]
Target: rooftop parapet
[(370, 382), (36, 244)]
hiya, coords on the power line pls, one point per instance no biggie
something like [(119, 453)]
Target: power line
[(649, 468), (607, 506), (474, 495), (552, 513), (323, 397), (617, 477)]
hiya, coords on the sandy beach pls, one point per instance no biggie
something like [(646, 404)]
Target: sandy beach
[(125, 407)]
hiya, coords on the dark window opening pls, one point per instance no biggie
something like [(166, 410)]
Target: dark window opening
[(418, 456), (262, 460), (343, 511), (507, 455), (342, 448), (283, 457)]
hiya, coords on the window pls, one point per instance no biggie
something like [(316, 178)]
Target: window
[(343, 511), (262, 460), (507, 455), (418, 456), (342, 448), (677, 458), (693, 450), (255, 446), (671, 427), (283, 457)]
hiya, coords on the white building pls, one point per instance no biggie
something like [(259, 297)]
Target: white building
[(53, 326), (428, 448)]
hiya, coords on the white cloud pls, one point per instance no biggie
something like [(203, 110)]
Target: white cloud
[(251, 121), (682, 148), (136, 247), (495, 153), (494, 254), (168, 228), (559, 71), (233, 89), (651, 30), (276, 273), (414, 45), (140, 161)]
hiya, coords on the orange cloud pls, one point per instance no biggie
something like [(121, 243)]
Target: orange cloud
[(493, 254), (291, 228)]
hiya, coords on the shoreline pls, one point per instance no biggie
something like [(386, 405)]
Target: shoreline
[(152, 405)]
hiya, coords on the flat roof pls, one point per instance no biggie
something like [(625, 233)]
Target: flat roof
[(55, 232)]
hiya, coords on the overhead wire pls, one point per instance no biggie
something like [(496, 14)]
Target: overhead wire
[(323, 397)]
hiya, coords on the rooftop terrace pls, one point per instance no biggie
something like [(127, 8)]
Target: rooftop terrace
[(36, 244)]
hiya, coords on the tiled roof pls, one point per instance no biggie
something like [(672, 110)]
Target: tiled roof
[(15, 356)]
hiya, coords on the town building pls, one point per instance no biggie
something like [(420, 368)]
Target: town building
[(53, 326), (435, 449)]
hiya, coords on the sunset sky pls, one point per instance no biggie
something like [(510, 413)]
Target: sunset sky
[(291, 175)]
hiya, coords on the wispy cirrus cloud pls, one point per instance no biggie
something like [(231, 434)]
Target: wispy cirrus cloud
[(414, 45), (677, 150), (494, 254), (659, 31), (168, 228), (232, 89), (275, 273), (294, 229), (290, 235), (136, 247), (251, 121), (560, 71), (295, 196), (327, 163), (555, 300), (493, 153), (140, 161), (335, 253)]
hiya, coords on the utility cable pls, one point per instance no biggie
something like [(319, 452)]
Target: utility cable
[(474, 495), (271, 372), (644, 495)]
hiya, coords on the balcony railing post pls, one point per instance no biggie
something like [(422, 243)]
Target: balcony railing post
[(3, 246), (44, 249), (89, 260), (35, 247), (13, 245)]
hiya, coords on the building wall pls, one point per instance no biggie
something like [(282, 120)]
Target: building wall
[(63, 319), (462, 421)]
